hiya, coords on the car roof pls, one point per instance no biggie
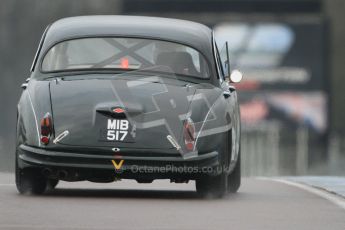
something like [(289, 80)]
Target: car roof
[(185, 32)]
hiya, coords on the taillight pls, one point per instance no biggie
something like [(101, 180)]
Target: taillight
[(189, 134), (124, 63), (46, 128)]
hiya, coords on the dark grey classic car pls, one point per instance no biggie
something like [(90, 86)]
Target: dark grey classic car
[(121, 97)]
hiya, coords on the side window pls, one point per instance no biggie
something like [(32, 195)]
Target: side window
[(38, 49)]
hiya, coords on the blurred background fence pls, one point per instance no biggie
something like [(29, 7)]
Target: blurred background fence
[(291, 52)]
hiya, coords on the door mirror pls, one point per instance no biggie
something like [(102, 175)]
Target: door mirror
[(236, 76)]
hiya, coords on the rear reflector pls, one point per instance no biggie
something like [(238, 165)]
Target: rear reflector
[(45, 140)]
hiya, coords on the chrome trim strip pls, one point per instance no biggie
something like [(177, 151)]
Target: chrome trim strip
[(33, 110), (203, 124), (61, 136), (173, 142)]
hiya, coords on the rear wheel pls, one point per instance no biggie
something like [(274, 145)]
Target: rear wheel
[(212, 186), (30, 181), (234, 179), (52, 183), (217, 186)]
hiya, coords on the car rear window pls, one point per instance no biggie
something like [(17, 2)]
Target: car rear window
[(124, 54)]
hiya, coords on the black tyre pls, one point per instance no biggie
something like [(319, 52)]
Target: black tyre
[(52, 183), (217, 186), (234, 179), (212, 186), (30, 181)]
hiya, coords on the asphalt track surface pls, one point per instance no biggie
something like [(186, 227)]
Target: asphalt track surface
[(260, 204)]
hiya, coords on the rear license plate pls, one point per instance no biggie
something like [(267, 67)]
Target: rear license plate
[(116, 130)]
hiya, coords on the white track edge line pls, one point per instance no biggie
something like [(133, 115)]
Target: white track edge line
[(334, 198)]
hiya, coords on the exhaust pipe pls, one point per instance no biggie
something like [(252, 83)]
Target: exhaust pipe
[(47, 172), (62, 174)]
